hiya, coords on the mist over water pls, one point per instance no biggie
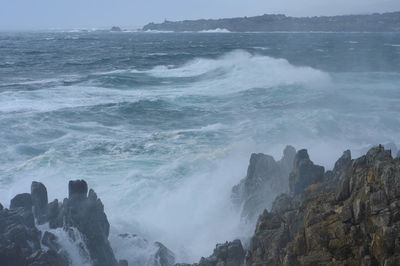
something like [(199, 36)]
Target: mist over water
[(163, 125)]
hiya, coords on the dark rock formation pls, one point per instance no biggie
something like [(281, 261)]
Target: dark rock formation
[(163, 256), (21, 242), (354, 221), (115, 28), (391, 146), (23, 200), (229, 254), (77, 188), (266, 23), (156, 253), (304, 173), (39, 201), (265, 179)]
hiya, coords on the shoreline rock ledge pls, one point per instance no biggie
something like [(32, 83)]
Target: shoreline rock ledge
[(79, 215), (347, 216)]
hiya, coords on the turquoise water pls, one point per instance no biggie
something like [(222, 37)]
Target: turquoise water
[(162, 125)]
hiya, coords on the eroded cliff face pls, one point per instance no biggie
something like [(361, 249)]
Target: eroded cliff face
[(348, 216), (265, 179)]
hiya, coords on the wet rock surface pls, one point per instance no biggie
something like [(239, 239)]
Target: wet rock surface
[(21, 242)]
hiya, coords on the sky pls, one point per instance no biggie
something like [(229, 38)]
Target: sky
[(76, 14)]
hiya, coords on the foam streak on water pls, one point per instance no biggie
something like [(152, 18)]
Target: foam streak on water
[(163, 125)]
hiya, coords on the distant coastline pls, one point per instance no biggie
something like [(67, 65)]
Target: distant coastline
[(386, 22)]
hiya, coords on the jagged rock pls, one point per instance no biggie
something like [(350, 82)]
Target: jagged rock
[(18, 235), (77, 188), (115, 28), (304, 173), (53, 214), (357, 224), (46, 258), (123, 263), (163, 256), (86, 213), (265, 179), (229, 254), (342, 164), (21, 242), (12, 255), (1, 207), (23, 200), (392, 147), (50, 240), (283, 203), (39, 201)]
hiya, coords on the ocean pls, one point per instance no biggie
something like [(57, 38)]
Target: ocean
[(162, 125)]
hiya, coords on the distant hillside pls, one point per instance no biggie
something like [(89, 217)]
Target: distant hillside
[(387, 22)]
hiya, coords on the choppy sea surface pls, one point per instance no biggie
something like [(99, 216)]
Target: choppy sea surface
[(162, 125)]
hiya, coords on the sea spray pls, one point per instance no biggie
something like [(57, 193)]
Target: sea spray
[(163, 126)]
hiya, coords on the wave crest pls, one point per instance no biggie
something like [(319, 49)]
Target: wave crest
[(240, 70)]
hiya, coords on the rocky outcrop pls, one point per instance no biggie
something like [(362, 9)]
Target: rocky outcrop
[(228, 254), (116, 28), (20, 240), (143, 252), (265, 179), (304, 173), (21, 243), (349, 216)]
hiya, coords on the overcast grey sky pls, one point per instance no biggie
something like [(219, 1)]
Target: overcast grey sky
[(68, 14)]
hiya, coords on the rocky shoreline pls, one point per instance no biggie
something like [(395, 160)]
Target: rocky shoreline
[(385, 22), (347, 216)]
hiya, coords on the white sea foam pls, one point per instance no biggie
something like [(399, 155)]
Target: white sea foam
[(239, 70), (158, 31), (170, 181), (261, 48), (64, 97), (71, 244), (217, 30)]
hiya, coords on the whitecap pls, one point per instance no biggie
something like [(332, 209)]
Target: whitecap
[(217, 30)]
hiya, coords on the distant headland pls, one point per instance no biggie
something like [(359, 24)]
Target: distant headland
[(386, 22)]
